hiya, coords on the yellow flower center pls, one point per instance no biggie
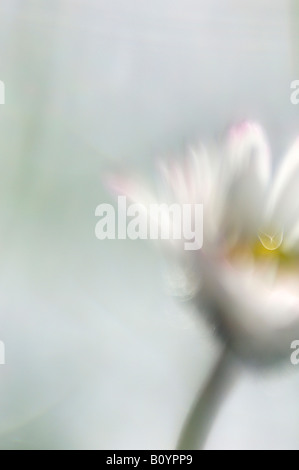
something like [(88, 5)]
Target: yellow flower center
[(266, 247), (271, 242)]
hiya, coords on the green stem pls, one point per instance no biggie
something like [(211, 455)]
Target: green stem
[(202, 414)]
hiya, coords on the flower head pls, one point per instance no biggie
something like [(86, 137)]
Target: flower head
[(246, 276)]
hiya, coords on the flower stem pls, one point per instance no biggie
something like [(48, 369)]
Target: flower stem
[(202, 414)]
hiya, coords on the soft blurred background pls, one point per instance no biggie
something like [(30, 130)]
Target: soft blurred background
[(98, 355)]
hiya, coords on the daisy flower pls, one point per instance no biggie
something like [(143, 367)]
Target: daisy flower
[(245, 277)]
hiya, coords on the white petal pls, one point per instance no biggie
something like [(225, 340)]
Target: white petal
[(200, 167), (247, 171), (248, 149), (187, 180), (256, 318), (133, 188), (291, 241), (157, 213), (283, 204)]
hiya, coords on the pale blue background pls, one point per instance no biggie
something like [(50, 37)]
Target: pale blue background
[(98, 356)]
